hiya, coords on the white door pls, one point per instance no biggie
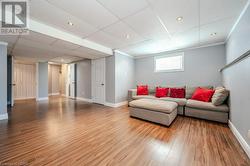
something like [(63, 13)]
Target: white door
[(24, 81), (71, 80), (98, 80), (55, 79)]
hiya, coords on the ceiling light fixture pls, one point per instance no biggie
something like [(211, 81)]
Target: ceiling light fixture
[(179, 19), (213, 34), (70, 23), (127, 36)]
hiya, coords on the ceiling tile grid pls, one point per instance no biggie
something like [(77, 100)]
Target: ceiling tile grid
[(89, 11), (137, 27), (49, 14)]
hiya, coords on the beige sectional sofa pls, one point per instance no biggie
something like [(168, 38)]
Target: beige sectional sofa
[(188, 107)]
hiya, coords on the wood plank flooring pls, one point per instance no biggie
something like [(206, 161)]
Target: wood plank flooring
[(68, 132)]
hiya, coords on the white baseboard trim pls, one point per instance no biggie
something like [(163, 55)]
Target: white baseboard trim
[(4, 116), (42, 99), (27, 98), (54, 94), (115, 105), (84, 99), (239, 137)]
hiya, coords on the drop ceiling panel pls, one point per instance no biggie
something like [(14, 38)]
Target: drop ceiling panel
[(66, 59), (10, 39), (40, 38), (149, 47), (50, 51), (121, 31), (186, 39), (124, 8), (105, 39), (65, 45), (49, 14), (221, 28), (24, 43), (89, 51), (214, 10), (179, 40), (33, 54), (169, 10), (147, 24), (26, 59), (87, 10), (84, 55)]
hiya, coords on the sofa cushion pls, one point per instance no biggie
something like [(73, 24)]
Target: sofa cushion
[(136, 97), (220, 95), (190, 90), (179, 101), (203, 94), (161, 92), (177, 92), (142, 90), (207, 106), (151, 90), (154, 105)]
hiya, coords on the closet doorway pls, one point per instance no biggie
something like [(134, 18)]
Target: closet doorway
[(55, 79)]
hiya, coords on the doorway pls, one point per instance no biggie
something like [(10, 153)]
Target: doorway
[(98, 80), (54, 80), (10, 85), (71, 81)]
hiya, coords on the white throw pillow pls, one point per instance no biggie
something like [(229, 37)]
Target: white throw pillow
[(220, 95)]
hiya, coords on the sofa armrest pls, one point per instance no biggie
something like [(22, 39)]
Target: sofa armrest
[(131, 93)]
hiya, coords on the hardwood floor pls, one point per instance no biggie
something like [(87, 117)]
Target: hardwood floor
[(68, 132)]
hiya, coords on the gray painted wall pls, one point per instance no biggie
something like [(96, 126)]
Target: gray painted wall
[(42, 79), (3, 76), (120, 77), (201, 68), (110, 79), (237, 77), (83, 79), (124, 76)]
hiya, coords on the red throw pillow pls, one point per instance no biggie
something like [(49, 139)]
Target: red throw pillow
[(161, 92), (202, 94), (142, 90), (177, 92)]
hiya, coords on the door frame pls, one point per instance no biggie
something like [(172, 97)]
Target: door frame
[(93, 80), (10, 79), (12, 83)]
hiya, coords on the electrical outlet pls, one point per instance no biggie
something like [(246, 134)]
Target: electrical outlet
[(248, 134)]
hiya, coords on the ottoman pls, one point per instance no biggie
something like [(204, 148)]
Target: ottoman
[(158, 111)]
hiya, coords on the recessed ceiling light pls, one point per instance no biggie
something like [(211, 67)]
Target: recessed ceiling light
[(127, 36), (70, 23), (179, 18), (213, 34)]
